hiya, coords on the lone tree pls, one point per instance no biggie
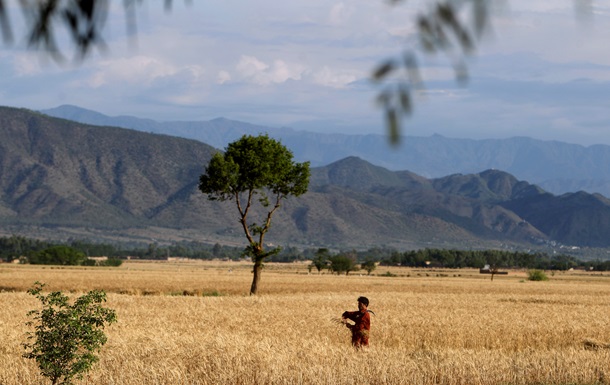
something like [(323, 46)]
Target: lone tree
[(255, 165), (343, 263), (369, 265), (321, 259)]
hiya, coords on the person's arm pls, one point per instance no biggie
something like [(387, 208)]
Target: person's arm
[(348, 315)]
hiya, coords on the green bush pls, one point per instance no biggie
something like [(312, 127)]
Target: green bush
[(115, 262), (369, 265), (66, 336), (58, 255), (537, 275), (343, 263)]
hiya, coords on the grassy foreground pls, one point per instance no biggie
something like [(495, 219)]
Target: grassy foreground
[(193, 323)]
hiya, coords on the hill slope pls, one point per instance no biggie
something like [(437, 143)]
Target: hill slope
[(57, 171), (63, 178)]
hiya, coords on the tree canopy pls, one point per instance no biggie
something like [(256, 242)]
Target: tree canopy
[(58, 255), (255, 166)]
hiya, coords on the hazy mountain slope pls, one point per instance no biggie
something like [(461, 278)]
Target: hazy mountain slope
[(487, 186), (557, 167), (356, 174), (55, 170), (570, 218), (92, 181)]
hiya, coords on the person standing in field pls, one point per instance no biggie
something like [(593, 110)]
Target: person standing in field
[(362, 326)]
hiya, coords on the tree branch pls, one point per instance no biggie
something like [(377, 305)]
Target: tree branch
[(244, 214)]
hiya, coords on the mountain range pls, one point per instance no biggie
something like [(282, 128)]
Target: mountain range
[(60, 178), (555, 166)]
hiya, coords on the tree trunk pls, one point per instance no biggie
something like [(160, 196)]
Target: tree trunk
[(258, 268)]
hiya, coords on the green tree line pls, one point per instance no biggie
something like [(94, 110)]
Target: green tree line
[(340, 262), (15, 247), (494, 258)]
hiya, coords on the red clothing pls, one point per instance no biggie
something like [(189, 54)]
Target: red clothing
[(361, 328)]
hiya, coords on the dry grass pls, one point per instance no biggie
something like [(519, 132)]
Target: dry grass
[(431, 327)]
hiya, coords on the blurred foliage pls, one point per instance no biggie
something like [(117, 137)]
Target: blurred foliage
[(453, 28), (82, 20)]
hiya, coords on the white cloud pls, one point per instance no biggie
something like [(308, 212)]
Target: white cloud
[(329, 78), (249, 66), (223, 77), (141, 70), (340, 14), (255, 71), (134, 70)]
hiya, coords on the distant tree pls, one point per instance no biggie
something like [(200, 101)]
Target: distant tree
[(343, 263), (152, 250), (114, 262), (89, 262), (287, 254), (251, 166), (94, 249), (12, 248), (16, 246), (369, 265), (563, 262), (58, 255), (321, 259), (217, 250)]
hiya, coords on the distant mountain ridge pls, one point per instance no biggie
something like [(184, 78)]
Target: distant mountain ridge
[(555, 166), (70, 179)]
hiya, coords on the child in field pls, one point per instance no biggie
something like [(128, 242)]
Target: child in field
[(361, 328)]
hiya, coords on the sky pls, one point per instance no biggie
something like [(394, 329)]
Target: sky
[(543, 70)]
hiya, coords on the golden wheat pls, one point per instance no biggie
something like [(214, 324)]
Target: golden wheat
[(450, 327)]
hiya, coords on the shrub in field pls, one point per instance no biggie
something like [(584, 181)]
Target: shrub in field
[(320, 260), (58, 255), (342, 263), (369, 265), (112, 262), (537, 275), (89, 262), (67, 336)]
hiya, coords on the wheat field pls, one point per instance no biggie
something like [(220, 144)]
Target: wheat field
[(191, 323)]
